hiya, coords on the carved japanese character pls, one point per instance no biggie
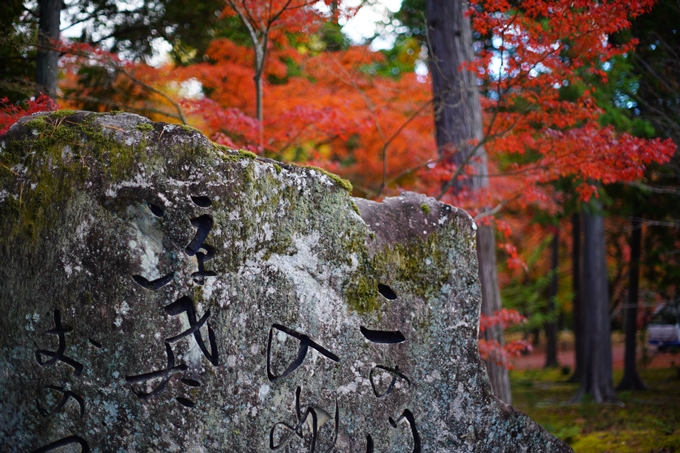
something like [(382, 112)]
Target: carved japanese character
[(200, 249), (305, 344), (164, 375), (66, 395), (70, 440), (382, 336), (395, 375), (154, 284), (312, 418), (408, 415), (186, 305), (58, 355)]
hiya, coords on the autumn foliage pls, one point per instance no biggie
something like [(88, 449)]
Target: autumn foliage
[(10, 113), (538, 67), (492, 349)]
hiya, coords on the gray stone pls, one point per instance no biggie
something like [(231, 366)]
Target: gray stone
[(161, 293)]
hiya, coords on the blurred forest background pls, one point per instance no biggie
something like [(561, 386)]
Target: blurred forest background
[(553, 123)]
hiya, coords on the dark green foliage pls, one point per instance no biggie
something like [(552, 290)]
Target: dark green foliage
[(17, 51), (187, 25), (526, 294)]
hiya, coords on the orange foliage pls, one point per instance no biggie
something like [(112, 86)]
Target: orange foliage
[(329, 109)]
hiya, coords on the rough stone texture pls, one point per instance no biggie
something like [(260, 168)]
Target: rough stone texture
[(105, 277)]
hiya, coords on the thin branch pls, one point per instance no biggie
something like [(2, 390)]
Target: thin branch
[(277, 15), (246, 22), (472, 153), (392, 137), (180, 114), (498, 207), (655, 222), (368, 103), (668, 190), (9, 169)]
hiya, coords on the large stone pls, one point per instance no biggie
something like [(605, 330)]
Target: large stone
[(161, 293)]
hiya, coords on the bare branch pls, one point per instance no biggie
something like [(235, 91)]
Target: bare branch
[(392, 137), (498, 207), (654, 189)]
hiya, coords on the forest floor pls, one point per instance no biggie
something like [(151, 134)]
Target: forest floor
[(641, 422), (647, 356)]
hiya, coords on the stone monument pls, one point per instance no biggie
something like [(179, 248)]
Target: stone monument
[(161, 293)]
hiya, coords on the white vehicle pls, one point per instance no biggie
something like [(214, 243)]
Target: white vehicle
[(664, 327)]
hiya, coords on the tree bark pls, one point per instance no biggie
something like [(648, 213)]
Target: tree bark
[(551, 325), (458, 126), (47, 61), (491, 303), (457, 110), (259, 104), (631, 379), (596, 375), (577, 310)]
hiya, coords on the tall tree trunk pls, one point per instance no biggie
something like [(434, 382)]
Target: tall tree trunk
[(551, 325), (48, 58), (577, 309), (259, 105), (491, 303), (458, 124), (596, 375), (631, 379)]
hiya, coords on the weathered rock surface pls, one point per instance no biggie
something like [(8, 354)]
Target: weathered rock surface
[(162, 293)]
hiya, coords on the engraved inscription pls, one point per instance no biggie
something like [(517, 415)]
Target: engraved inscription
[(58, 356), (305, 344)]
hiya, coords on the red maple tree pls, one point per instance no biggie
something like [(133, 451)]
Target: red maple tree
[(330, 109)]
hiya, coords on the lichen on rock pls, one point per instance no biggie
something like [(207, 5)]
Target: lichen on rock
[(162, 293)]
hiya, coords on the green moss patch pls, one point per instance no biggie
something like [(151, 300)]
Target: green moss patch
[(62, 113), (56, 156), (144, 127), (345, 184), (646, 421), (362, 295), (247, 154)]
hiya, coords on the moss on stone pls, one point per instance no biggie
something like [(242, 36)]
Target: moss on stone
[(187, 128), (247, 154), (38, 124), (62, 113), (278, 169), (355, 208), (425, 208), (345, 184), (415, 263), (361, 295), (57, 159), (144, 127)]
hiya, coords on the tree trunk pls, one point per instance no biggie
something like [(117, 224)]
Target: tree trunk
[(631, 379), (458, 125), (577, 309), (259, 107), (596, 374), (48, 59), (458, 112), (491, 303), (551, 325)]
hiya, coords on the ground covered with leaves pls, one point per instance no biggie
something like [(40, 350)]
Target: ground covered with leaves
[(643, 421)]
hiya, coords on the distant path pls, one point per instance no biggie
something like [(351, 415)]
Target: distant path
[(565, 357)]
